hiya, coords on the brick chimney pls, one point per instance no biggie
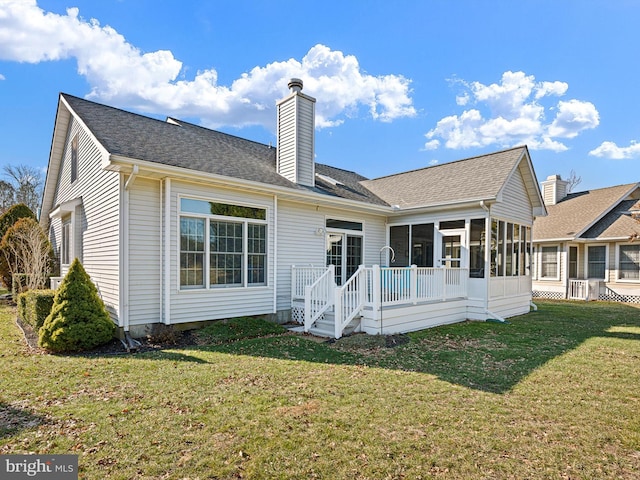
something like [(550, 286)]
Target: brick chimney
[(296, 135), (554, 189)]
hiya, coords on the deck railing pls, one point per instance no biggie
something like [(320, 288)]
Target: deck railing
[(319, 297), (578, 289), (350, 298), (373, 287), (303, 275), (403, 285)]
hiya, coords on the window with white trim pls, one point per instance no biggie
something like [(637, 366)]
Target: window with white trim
[(65, 249), (596, 261), (549, 263), (629, 262), (74, 158), (222, 245)]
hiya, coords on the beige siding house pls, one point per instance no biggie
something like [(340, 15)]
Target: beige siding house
[(588, 248), (178, 224)]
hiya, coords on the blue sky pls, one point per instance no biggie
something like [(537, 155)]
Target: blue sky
[(399, 85)]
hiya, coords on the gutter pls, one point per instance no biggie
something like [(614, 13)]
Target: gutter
[(116, 162)]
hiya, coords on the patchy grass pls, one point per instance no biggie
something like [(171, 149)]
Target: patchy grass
[(553, 395), (225, 331)]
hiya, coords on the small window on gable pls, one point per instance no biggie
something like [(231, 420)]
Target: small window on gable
[(65, 252), (74, 158)]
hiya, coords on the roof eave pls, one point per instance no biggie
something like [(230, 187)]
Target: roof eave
[(122, 164)]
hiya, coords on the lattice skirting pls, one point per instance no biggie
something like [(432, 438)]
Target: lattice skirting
[(297, 315), (547, 295), (612, 296)]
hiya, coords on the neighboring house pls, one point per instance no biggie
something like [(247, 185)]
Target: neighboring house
[(177, 224), (586, 248)]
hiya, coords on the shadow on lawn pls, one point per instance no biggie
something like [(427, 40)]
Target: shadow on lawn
[(13, 419), (490, 357)]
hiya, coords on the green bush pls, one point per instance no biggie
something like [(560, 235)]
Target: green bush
[(34, 306), (7, 220), (21, 300), (78, 319)]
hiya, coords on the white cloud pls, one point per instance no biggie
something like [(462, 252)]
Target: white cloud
[(614, 152), (2, 77), (432, 145), (512, 113), (434, 162), (122, 75)]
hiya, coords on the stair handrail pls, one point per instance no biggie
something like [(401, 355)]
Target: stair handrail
[(350, 299), (318, 297)]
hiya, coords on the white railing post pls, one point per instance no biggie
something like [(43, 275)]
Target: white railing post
[(307, 308), (376, 291), (413, 284), (444, 284), (337, 311)]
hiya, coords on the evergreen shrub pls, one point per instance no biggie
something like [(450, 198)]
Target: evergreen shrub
[(78, 319), (34, 307)]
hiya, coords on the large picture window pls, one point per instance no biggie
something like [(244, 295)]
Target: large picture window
[(629, 262), (222, 245)]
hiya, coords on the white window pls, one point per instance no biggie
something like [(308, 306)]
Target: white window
[(629, 262), (549, 264), (74, 158), (65, 249), (222, 245), (596, 261)]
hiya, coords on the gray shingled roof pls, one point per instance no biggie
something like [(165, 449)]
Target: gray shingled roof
[(617, 223), (471, 179), (197, 148), (182, 144), (580, 211)]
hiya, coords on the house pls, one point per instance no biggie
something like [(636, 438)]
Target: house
[(585, 248), (177, 224)]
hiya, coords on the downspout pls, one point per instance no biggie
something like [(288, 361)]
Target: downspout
[(129, 343), (275, 254), (125, 258)]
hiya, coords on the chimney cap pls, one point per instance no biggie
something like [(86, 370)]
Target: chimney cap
[(554, 177), (295, 85)]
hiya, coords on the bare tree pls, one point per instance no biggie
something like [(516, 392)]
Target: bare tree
[(7, 196), (27, 184), (27, 251), (574, 180)]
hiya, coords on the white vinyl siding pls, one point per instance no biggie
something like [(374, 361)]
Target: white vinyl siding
[(144, 251), (301, 240), (515, 205), (96, 225), (296, 139)]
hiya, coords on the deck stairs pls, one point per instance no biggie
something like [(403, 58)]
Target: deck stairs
[(325, 325)]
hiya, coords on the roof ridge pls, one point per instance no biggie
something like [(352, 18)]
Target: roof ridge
[(450, 163), (220, 132), (147, 117), (582, 192)]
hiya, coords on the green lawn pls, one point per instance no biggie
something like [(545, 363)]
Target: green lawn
[(555, 394)]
